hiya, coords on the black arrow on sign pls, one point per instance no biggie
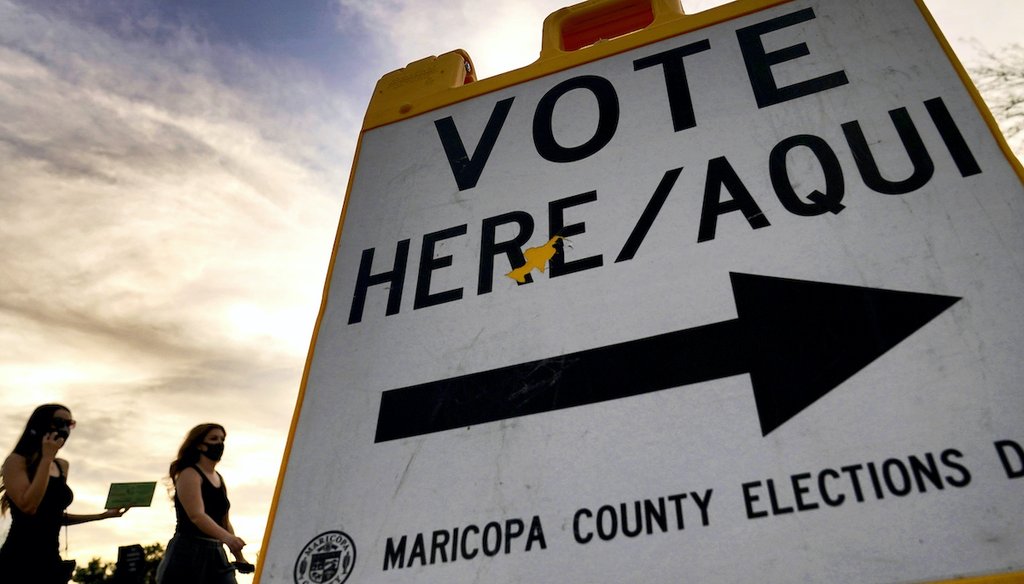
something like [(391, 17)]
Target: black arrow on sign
[(797, 339)]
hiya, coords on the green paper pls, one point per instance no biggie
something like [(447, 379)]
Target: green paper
[(130, 495)]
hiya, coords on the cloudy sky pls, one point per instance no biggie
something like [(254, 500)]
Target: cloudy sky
[(171, 175)]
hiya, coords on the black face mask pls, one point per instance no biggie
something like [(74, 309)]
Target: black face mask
[(214, 451), (61, 427)]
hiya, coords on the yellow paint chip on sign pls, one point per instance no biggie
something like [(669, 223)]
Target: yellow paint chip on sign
[(536, 257)]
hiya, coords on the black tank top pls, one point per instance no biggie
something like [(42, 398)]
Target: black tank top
[(215, 503), (41, 531)]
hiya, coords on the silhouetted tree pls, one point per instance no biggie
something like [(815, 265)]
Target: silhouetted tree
[(99, 572), (154, 553), (1000, 79), (95, 572)]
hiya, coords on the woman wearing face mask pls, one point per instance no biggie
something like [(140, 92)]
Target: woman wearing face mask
[(36, 492), (195, 555)]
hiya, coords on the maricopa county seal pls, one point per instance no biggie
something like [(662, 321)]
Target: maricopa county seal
[(328, 559)]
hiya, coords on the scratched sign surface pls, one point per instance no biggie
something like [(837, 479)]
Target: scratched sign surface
[(739, 305)]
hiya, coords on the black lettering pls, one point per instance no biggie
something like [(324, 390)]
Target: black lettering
[(874, 481), (679, 101), (721, 174), (609, 512), (800, 490), (465, 550), (607, 123), (513, 249), (536, 534), (647, 217), (396, 277), (465, 169), (965, 475), (852, 470), (827, 202), (513, 529), (1004, 448), (776, 509), (495, 529), (825, 496), (418, 551), (557, 265), (905, 484), (428, 263), (952, 137), (580, 538), (749, 498), (437, 543), (394, 557), (912, 143), (678, 500), (926, 469), (655, 515), (703, 505), (625, 520), (759, 63)]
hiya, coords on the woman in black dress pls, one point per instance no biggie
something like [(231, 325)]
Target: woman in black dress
[(36, 492), (195, 555)]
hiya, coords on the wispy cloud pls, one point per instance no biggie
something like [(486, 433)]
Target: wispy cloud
[(168, 210), (499, 36)]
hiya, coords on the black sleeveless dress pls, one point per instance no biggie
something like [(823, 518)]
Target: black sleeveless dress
[(32, 547), (215, 503), (193, 557)]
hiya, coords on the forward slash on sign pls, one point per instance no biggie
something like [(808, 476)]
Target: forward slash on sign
[(797, 339)]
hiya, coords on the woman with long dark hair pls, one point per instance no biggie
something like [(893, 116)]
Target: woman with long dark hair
[(195, 555), (36, 492)]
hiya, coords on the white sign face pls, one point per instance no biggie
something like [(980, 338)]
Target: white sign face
[(741, 305)]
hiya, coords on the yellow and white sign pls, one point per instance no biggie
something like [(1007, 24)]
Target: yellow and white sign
[(736, 298)]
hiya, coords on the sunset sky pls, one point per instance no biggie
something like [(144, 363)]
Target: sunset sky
[(171, 176)]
